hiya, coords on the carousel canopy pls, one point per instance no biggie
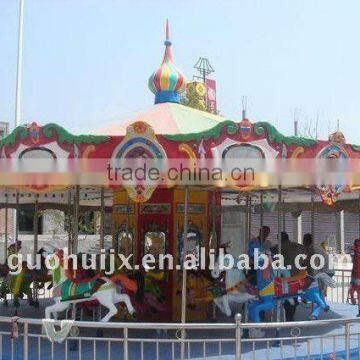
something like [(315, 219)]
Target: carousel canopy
[(168, 118), (169, 130)]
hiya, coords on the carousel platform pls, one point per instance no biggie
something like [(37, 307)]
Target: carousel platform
[(297, 346)]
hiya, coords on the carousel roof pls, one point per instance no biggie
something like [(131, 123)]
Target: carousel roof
[(167, 118), (166, 130)]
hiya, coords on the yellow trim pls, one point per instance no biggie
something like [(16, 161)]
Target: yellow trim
[(188, 150), (299, 150)]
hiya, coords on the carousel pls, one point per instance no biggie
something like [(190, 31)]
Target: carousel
[(173, 219)]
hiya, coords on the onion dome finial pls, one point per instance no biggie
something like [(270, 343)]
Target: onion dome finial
[(168, 81)]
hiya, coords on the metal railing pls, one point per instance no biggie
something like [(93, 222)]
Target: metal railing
[(338, 338), (339, 294), (43, 293)]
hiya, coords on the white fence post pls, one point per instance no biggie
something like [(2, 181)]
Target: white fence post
[(238, 337), (347, 340), (26, 341), (126, 344), (343, 285)]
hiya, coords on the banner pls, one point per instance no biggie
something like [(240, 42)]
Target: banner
[(210, 85)]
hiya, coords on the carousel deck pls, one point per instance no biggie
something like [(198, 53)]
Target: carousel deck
[(289, 350)]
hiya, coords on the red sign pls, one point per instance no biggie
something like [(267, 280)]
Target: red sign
[(210, 85)]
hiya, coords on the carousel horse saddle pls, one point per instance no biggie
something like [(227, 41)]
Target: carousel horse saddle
[(155, 275), (75, 291), (292, 285)]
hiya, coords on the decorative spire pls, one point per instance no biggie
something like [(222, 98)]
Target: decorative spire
[(167, 41), (167, 82), (167, 55)]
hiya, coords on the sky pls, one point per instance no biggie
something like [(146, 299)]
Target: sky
[(87, 62)]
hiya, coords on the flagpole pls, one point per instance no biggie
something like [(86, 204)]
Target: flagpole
[(19, 65), (18, 91)]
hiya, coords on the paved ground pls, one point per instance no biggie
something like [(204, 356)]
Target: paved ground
[(261, 349)]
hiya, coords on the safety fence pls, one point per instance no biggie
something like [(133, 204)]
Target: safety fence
[(339, 294), (321, 339)]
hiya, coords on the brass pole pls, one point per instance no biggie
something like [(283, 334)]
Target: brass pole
[(249, 217), (186, 210), (36, 226), (184, 274), (359, 215), (102, 218), (17, 217), (279, 213), (261, 210), (36, 243), (247, 237), (76, 220), (283, 216), (313, 217), (279, 217), (70, 222), (6, 228)]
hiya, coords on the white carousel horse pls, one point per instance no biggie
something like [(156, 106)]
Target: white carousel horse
[(107, 294), (236, 292)]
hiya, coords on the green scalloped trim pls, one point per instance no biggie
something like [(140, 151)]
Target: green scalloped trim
[(355, 147), (49, 130), (232, 128), (66, 137), (20, 132), (215, 132), (275, 136)]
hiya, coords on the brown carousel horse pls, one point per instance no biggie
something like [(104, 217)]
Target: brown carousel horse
[(4, 285), (20, 284)]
